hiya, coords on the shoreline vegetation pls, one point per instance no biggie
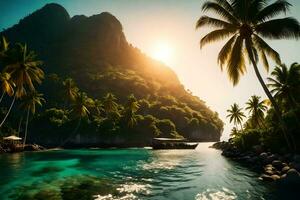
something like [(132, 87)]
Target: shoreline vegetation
[(267, 139)]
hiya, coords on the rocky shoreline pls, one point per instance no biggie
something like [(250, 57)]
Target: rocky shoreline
[(28, 147), (282, 169)]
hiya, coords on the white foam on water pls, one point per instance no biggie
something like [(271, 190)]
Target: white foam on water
[(224, 194), (127, 192)]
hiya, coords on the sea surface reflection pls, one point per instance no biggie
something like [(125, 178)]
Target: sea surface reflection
[(129, 174)]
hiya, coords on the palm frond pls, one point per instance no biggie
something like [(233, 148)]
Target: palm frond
[(253, 8), (4, 44), (209, 21), (264, 60), (285, 28), (225, 51), (220, 10), (263, 46), (225, 4), (241, 9), (272, 10), (216, 35), (236, 62)]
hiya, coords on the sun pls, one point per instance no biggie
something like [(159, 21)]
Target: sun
[(163, 52)]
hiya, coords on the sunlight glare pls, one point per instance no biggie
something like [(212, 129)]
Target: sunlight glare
[(162, 52)]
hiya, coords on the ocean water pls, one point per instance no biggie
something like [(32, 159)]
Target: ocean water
[(127, 174)]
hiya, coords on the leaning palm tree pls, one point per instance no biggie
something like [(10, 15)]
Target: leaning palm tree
[(285, 84), (247, 22), (130, 110), (256, 109), (6, 84), (24, 69), (29, 104), (236, 115)]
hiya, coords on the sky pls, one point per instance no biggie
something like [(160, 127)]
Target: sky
[(149, 24)]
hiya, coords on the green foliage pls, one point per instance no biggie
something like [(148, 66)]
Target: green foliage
[(247, 139), (235, 115), (167, 128), (56, 117), (267, 131)]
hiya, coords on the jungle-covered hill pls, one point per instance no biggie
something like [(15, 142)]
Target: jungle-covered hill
[(95, 53)]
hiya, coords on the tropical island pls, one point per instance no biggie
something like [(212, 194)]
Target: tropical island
[(89, 104), (86, 86)]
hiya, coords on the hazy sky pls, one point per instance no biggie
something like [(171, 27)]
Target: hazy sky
[(147, 23)]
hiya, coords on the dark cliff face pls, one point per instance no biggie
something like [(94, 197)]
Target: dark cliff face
[(40, 27), (83, 45), (88, 49)]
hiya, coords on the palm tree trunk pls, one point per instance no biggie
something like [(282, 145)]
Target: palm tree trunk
[(11, 105), (73, 133), (26, 127), (3, 93), (19, 126), (77, 127), (275, 105), (262, 123)]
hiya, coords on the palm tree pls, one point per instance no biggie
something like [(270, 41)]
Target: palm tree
[(98, 107), (79, 108), (234, 132), (285, 84), (236, 115), (70, 90), (24, 70), (29, 103), (110, 106), (6, 85), (247, 22), (256, 109), (131, 108)]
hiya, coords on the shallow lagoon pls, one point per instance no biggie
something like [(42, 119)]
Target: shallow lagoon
[(129, 174)]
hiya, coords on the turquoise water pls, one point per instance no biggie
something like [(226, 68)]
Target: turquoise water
[(129, 174)]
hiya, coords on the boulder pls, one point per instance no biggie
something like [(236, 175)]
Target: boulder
[(284, 164), (295, 165), (33, 147), (271, 158), (292, 177), (263, 156), (270, 172), (275, 177), (269, 178), (277, 164), (269, 167), (285, 169)]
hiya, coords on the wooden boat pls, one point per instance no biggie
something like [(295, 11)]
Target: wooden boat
[(172, 143)]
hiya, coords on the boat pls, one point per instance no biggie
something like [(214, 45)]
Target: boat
[(172, 143)]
